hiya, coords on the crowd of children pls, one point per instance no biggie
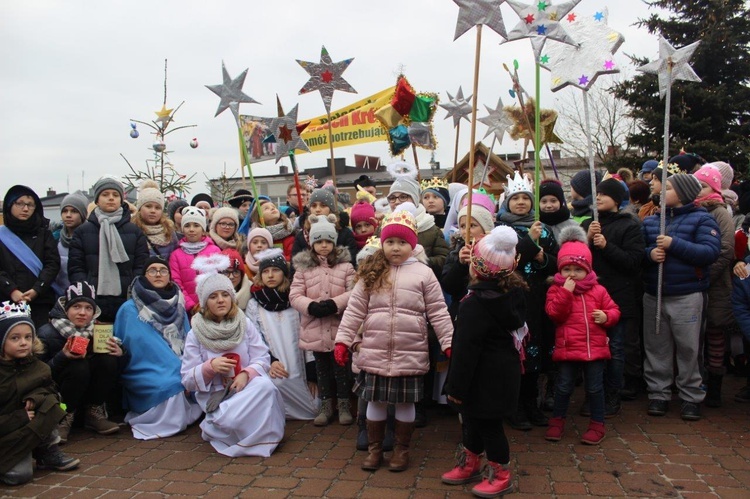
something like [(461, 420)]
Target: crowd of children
[(252, 313)]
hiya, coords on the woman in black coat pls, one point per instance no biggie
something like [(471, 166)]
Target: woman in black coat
[(24, 221), (85, 256)]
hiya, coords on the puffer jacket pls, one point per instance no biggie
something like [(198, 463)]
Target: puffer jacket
[(719, 311), (394, 334), (696, 243), (435, 246), (577, 337), (83, 259), (741, 303), (316, 281), (180, 266)]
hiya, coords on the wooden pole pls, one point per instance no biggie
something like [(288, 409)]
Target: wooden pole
[(330, 145), (537, 144), (455, 152), (416, 162), (477, 53), (590, 145), (280, 113)]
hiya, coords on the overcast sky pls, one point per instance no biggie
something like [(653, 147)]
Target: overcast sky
[(75, 72)]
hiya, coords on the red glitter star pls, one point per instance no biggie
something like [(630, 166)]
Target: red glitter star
[(285, 134), (326, 76), (571, 17), (530, 19)]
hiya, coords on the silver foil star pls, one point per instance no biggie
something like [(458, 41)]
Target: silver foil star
[(541, 22), (457, 107), (326, 77), (231, 93), (498, 121), (580, 65), (679, 59), (474, 12), (284, 129)]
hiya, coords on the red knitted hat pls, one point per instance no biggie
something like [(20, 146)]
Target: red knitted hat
[(574, 250), (363, 211), (400, 224)]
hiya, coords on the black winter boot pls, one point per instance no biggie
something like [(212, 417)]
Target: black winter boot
[(713, 390)]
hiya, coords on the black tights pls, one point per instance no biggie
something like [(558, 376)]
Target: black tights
[(88, 380), (333, 380), (486, 435)]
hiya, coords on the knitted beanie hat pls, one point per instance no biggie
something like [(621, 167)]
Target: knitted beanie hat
[(80, 292), (727, 173), (686, 162), (272, 257), (711, 176), (439, 187), (148, 192), (649, 166), (362, 211), (552, 187), (78, 201), (400, 224), (108, 182), (495, 254), (174, 206), (154, 260), (222, 213), (612, 188), (686, 186), (581, 182), (323, 229), (324, 196), (209, 280), (235, 260), (193, 214), (574, 249), (480, 214), (408, 186), (11, 315), (202, 196), (260, 232)]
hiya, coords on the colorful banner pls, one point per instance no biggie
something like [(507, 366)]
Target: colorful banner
[(352, 125)]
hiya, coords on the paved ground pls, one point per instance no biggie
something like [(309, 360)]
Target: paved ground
[(641, 456)]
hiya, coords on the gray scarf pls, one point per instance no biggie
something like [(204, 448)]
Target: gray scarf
[(193, 248), (111, 252), (65, 238), (219, 336)]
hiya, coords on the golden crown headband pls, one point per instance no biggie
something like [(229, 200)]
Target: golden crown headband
[(434, 183)]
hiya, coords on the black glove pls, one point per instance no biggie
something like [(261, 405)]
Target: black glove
[(316, 310), (329, 307)]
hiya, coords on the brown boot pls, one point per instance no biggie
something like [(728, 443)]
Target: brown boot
[(400, 458), (375, 434)]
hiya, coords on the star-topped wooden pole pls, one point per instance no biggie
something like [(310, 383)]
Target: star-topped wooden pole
[(458, 108), (476, 13), (325, 77), (498, 122), (580, 65), (672, 64)]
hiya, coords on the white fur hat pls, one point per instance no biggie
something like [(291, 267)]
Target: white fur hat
[(209, 280)]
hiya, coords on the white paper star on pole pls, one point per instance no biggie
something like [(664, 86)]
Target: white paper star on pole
[(580, 65), (457, 107), (498, 121), (231, 93), (679, 58), (284, 129), (541, 22), (474, 12), (325, 77)]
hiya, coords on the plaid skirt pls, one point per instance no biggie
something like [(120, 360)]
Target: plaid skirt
[(393, 390)]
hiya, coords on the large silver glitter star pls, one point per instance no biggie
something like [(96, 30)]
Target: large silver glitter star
[(498, 121), (581, 65), (474, 12), (679, 59), (457, 107), (326, 77), (231, 93), (284, 129), (541, 22)]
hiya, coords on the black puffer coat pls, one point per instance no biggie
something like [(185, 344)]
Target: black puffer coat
[(83, 259)]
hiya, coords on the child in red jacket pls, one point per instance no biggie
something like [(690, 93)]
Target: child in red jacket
[(582, 311)]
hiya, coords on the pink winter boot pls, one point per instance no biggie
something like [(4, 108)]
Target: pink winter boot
[(555, 430), (595, 433), (467, 468), (497, 481)]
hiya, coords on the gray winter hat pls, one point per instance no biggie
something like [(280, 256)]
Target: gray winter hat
[(78, 201), (105, 183)]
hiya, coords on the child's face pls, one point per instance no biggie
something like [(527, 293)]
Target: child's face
[(364, 229), (574, 195), (318, 208), (549, 204), (244, 208), (396, 250), (671, 199), (433, 204), (225, 228), (271, 214), (80, 314), (109, 200), (177, 218), (605, 203), (151, 213), (18, 342), (257, 244), (520, 204), (234, 275), (158, 275), (323, 248), (475, 231), (70, 218), (574, 272), (655, 185), (272, 277), (705, 190), (647, 176), (193, 232), (23, 208), (219, 303)]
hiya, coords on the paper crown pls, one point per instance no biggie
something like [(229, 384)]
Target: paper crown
[(401, 218), (517, 184), (672, 168), (434, 183), (373, 242), (9, 310)]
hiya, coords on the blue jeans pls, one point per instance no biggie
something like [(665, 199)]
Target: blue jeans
[(616, 365), (593, 375)]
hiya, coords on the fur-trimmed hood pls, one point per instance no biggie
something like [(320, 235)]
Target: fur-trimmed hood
[(305, 260)]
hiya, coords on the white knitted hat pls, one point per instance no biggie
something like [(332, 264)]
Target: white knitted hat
[(148, 192), (193, 214), (209, 280), (323, 229), (225, 212)]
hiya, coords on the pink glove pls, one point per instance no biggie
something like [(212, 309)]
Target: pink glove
[(341, 354), (448, 352)]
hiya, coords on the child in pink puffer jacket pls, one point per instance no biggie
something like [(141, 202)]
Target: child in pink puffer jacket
[(319, 292)]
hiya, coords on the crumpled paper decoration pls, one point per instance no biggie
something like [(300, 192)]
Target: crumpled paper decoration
[(408, 118), (547, 120), (680, 58)]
